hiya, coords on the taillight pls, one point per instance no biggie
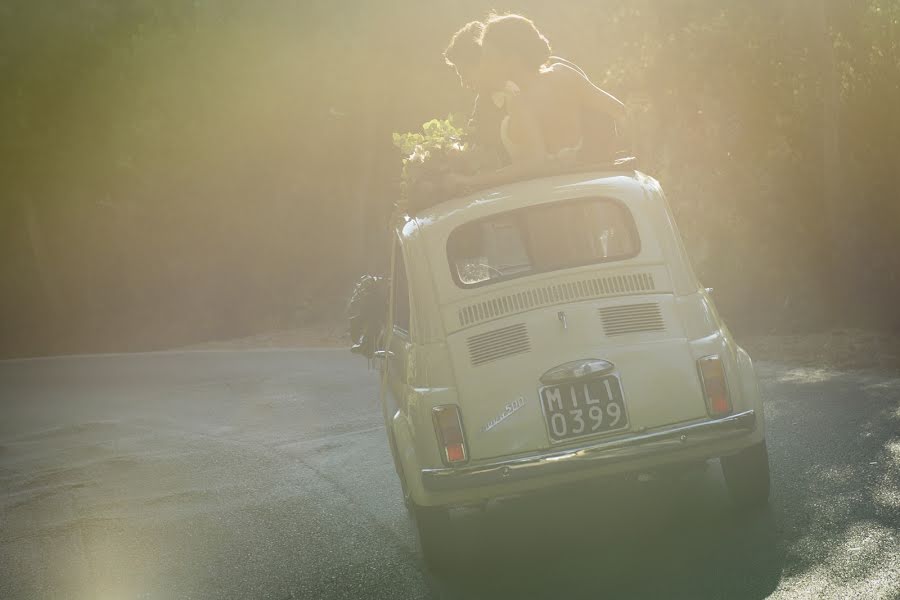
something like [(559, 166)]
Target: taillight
[(715, 387), (448, 426)]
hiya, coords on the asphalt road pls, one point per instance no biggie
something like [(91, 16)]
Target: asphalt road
[(266, 474)]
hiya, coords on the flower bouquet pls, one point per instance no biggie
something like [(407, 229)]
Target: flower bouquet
[(429, 156)]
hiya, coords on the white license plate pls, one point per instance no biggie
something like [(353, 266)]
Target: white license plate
[(584, 408)]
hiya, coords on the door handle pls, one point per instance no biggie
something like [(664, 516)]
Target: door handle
[(382, 354)]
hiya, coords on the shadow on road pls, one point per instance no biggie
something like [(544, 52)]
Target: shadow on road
[(674, 537), (830, 530), (835, 437)]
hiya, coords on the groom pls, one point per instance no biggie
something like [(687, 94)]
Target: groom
[(464, 55)]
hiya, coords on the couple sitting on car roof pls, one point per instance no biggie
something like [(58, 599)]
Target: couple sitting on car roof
[(536, 110)]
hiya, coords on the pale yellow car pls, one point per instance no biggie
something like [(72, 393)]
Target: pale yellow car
[(552, 331)]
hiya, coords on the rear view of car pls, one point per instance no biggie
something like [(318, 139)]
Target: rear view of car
[(566, 337)]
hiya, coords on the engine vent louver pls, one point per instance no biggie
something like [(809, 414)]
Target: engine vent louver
[(485, 347), (582, 289), (632, 318)]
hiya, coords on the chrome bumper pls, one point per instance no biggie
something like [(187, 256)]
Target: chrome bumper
[(585, 457)]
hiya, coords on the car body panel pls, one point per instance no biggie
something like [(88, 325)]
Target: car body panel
[(654, 367), (448, 354)]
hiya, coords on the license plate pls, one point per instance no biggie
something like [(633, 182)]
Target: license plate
[(584, 408)]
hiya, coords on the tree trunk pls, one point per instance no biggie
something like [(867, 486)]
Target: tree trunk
[(835, 204), (362, 254), (42, 268)]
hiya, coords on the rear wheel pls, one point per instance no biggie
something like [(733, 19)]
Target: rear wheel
[(432, 522), (433, 528), (747, 476)]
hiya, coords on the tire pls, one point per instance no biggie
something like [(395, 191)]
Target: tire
[(747, 476), (434, 532)]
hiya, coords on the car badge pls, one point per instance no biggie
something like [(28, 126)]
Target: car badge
[(508, 410), (561, 315)]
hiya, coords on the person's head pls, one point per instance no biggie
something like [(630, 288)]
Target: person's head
[(511, 46), (464, 53)]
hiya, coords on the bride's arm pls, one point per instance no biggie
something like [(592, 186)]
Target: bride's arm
[(591, 97)]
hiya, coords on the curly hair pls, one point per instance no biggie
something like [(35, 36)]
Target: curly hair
[(465, 45), (517, 37)]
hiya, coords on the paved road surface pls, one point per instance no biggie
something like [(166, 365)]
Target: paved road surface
[(266, 474)]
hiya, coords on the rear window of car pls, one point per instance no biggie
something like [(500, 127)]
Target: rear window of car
[(541, 238)]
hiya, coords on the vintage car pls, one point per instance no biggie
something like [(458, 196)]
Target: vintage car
[(551, 331)]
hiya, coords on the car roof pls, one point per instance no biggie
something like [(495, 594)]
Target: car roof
[(449, 214)]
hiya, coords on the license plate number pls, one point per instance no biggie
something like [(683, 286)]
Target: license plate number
[(584, 408)]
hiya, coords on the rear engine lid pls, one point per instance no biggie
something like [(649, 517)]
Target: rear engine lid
[(499, 365)]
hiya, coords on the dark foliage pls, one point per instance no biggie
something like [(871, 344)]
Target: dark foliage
[(179, 171)]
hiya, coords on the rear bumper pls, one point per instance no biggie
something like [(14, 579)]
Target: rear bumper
[(666, 442)]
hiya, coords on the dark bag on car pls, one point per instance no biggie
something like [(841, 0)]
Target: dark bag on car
[(366, 312)]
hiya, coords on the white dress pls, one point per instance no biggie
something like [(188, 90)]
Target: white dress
[(563, 156)]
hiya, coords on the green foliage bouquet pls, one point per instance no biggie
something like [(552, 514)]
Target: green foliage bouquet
[(429, 156)]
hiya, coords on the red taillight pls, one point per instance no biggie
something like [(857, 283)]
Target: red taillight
[(715, 387), (456, 453), (448, 426)]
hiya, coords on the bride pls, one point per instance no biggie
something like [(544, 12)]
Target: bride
[(545, 104)]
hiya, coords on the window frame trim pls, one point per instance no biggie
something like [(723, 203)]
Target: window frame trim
[(632, 225), (397, 329)]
